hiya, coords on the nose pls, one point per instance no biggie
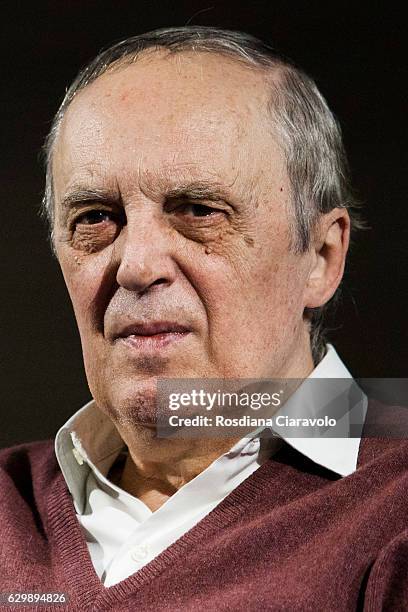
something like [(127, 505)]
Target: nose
[(144, 253)]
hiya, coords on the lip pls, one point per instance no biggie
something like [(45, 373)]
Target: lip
[(152, 336)]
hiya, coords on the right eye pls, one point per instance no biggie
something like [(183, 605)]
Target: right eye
[(92, 217), (96, 228)]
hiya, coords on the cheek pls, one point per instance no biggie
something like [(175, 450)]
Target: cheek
[(91, 239), (258, 305), (83, 279), (282, 291)]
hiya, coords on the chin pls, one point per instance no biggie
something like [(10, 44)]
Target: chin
[(131, 402)]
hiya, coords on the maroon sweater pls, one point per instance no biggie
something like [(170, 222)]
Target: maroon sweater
[(292, 536)]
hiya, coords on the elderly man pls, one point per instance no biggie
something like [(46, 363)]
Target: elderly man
[(200, 213)]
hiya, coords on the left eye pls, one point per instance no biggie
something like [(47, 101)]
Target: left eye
[(198, 210), (94, 216)]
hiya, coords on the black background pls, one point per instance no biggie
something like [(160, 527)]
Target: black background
[(356, 55)]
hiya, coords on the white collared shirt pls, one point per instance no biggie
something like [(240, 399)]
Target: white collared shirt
[(122, 533)]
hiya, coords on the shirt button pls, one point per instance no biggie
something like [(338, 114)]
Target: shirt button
[(138, 553)]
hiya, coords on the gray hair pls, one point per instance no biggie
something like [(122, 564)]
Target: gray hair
[(308, 132)]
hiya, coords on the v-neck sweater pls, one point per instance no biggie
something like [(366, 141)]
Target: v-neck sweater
[(292, 536)]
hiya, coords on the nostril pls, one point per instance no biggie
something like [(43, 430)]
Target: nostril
[(159, 281)]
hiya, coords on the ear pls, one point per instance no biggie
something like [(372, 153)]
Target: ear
[(329, 250)]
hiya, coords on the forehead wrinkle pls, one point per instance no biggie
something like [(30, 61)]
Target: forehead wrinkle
[(170, 180), (180, 179), (148, 170), (87, 178)]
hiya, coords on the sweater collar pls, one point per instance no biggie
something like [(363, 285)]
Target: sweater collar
[(90, 440)]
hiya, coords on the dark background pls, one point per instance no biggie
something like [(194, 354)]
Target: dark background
[(356, 55)]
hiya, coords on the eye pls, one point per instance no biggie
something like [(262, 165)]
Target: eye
[(95, 227), (198, 210), (92, 217)]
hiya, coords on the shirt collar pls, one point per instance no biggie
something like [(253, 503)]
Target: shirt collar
[(87, 441), (90, 441), (338, 396)]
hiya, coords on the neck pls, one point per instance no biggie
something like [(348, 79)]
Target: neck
[(156, 468)]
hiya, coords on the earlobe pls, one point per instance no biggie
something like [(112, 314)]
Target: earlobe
[(329, 256)]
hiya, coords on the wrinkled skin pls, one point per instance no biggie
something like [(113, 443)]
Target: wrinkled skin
[(188, 223)]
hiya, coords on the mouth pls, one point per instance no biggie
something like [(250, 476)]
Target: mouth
[(152, 336)]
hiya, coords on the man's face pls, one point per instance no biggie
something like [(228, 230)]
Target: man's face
[(172, 229)]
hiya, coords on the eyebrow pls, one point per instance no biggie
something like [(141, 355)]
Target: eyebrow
[(197, 190), (80, 196)]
